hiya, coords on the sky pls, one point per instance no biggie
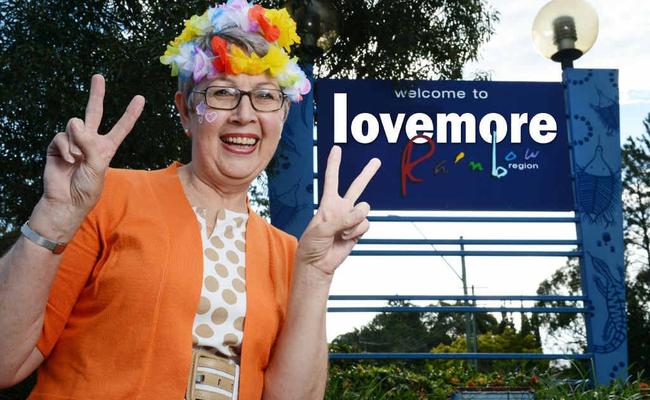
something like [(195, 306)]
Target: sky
[(624, 44)]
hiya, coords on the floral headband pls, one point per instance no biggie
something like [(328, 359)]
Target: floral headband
[(188, 59)]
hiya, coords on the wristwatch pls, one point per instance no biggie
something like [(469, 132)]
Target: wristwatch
[(51, 245)]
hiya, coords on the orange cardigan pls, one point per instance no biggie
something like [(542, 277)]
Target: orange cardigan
[(118, 323)]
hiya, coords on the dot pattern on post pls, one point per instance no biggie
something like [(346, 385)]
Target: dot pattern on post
[(220, 317)]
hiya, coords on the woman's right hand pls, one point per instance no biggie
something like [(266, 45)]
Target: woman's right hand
[(78, 158)]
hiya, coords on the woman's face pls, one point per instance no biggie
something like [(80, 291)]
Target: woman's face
[(232, 147)]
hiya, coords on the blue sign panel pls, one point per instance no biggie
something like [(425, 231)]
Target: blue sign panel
[(450, 145)]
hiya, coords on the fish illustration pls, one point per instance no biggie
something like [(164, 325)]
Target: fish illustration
[(613, 290), (607, 111), (597, 188)]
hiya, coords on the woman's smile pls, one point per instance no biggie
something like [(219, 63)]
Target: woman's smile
[(240, 143)]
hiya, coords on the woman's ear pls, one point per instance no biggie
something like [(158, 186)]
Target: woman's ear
[(287, 106), (183, 110)]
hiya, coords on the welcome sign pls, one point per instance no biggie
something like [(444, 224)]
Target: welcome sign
[(450, 145)]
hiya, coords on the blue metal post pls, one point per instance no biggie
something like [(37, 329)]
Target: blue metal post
[(291, 179), (593, 117)]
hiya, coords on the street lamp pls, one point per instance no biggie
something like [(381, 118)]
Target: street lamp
[(317, 26), (564, 30)]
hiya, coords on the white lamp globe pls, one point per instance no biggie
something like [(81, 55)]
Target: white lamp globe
[(564, 30)]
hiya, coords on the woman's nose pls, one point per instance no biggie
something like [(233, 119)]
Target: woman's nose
[(244, 112)]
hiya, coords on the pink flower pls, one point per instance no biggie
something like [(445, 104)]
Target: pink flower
[(203, 66)]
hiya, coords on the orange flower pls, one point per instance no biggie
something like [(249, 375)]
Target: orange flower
[(271, 32), (220, 51)]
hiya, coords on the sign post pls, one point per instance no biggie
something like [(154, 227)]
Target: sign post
[(291, 178), (593, 118), (481, 146)]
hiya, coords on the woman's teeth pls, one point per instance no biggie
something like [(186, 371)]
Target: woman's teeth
[(241, 141)]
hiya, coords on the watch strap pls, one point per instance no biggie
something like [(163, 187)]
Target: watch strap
[(51, 245)]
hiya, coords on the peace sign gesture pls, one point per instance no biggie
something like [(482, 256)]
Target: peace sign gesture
[(78, 158), (339, 223)]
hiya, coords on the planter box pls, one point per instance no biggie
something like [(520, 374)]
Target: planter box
[(493, 394)]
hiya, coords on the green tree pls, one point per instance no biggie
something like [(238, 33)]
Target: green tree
[(636, 197), (507, 341), (48, 52), (405, 39), (636, 209), (389, 332), (445, 327), (565, 330), (411, 332)]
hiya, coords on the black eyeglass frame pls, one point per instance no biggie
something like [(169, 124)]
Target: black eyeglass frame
[(241, 93)]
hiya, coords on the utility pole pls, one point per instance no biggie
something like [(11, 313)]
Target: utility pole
[(470, 328), (474, 333)]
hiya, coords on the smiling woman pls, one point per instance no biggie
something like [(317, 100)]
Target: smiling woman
[(165, 281)]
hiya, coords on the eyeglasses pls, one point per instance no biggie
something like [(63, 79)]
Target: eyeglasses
[(228, 98)]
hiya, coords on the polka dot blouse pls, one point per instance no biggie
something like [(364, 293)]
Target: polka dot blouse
[(219, 321)]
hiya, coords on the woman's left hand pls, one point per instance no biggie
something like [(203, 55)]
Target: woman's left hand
[(339, 223)]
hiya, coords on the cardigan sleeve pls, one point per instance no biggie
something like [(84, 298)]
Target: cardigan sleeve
[(75, 268), (78, 261)]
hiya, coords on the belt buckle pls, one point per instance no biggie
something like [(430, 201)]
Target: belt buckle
[(212, 377)]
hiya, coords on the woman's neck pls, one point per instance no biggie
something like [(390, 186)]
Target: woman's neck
[(210, 197)]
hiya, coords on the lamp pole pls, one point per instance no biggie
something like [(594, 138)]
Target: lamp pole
[(470, 321), (291, 177)]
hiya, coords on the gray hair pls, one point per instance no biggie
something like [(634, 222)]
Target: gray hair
[(250, 42)]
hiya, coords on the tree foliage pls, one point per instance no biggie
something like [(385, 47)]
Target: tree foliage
[(50, 48), (411, 332), (441, 332), (636, 197), (405, 39), (48, 52), (507, 341), (636, 209), (565, 330)]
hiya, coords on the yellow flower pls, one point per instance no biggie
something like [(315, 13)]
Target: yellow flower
[(195, 26), (286, 25), (290, 74), (168, 57), (243, 63), (198, 26), (185, 36), (275, 60)]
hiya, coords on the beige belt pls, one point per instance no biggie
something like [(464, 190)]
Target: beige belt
[(214, 372)]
